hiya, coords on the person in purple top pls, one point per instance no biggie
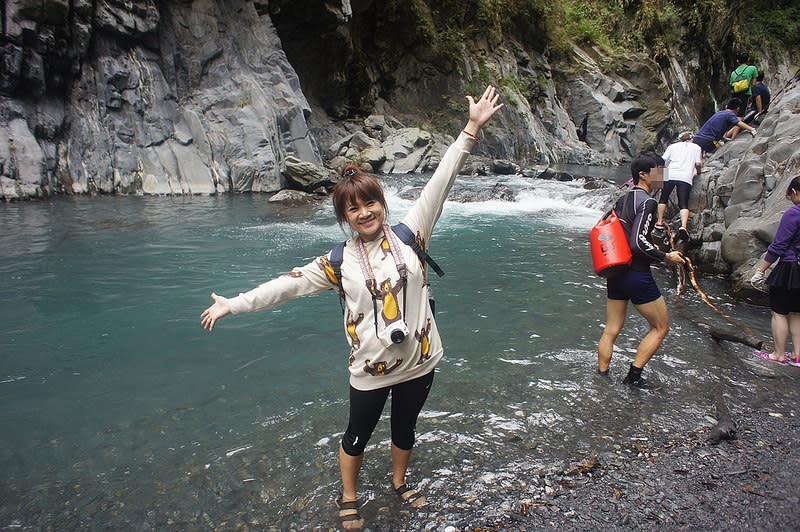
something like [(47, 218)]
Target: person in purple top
[(784, 281), (723, 124)]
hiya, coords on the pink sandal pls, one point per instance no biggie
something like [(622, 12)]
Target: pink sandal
[(766, 356)]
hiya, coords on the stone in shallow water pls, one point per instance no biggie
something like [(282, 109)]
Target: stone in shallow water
[(292, 196), (504, 167)]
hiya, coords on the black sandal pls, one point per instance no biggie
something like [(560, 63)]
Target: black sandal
[(408, 495), (348, 511)]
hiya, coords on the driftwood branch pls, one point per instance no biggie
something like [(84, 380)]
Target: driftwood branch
[(718, 334), (686, 275), (725, 429)]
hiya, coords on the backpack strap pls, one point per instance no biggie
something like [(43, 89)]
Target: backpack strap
[(626, 224), (407, 237), (336, 259)]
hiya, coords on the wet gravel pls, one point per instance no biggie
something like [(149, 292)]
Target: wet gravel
[(678, 482), (663, 478)]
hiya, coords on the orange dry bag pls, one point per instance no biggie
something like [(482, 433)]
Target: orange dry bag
[(611, 253)]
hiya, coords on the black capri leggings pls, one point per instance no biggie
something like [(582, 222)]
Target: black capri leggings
[(683, 193), (366, 407)]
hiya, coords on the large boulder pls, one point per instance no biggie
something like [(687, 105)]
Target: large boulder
[(738, 200), (740, 242), (375, 156), (405, 150), (505, 167), (23, 161), (293, 197), (306, 176)]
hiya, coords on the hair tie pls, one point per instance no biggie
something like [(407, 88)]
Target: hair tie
[(350, 172)]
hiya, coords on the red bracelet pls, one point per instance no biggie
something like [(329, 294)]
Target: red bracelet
[(464, 131)]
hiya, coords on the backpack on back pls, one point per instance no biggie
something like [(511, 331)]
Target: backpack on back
[(740, 82)]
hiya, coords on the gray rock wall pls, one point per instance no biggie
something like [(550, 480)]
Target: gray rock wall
[(625, 99), (738, 200), (171, 97), (188, 97)]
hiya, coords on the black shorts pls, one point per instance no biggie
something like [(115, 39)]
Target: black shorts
[(366, 407), (708, 145), (639, 287), (684, 189)]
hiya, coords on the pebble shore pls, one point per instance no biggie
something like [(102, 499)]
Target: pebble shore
[(666, 478)]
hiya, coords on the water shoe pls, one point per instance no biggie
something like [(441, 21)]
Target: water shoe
[(410, 496), (766, 356), (792, 361), (641, 383)]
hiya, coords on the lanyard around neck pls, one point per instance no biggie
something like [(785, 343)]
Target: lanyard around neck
[(366, 267), (369, 276)]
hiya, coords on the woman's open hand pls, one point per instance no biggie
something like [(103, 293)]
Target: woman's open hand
[(219, 309), (481, 111)]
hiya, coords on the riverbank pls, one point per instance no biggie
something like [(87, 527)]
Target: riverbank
[(677, 482), (664, 478)]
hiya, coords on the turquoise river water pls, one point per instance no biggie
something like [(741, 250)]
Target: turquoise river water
[(118, 412)]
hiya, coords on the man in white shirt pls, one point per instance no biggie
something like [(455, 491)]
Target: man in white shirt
[(683, 161)]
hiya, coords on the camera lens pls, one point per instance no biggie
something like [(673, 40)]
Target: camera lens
[(397, 337)]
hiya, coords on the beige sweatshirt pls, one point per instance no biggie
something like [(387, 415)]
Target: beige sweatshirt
[(373, 365)]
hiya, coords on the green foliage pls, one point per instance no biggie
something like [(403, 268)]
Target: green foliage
[(591, 22), (493, 20), (244, 100), (774, 25), (658, 24), (422, 14)]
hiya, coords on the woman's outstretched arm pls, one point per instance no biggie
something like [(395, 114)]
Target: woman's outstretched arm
[(423, 215), (312, 278)]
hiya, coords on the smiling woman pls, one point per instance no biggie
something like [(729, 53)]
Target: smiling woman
[(389, 323)]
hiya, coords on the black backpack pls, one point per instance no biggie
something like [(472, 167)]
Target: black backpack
[(405, 235)]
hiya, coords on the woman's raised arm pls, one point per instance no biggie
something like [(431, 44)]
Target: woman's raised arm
[(426, 211)]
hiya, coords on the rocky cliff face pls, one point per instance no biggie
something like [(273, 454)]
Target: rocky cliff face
[(189, 97), (379, 56), (738, 200), (146, 97)]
